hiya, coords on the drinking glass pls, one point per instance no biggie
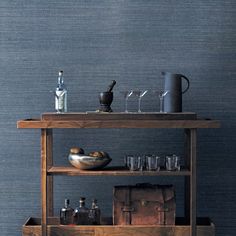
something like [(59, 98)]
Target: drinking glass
[(161, 94), (134, 163), (140, 94), (127, 161), (127, 94), (172, 162), (153, 163), (141, 163)]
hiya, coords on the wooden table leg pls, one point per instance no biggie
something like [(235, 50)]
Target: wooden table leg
[(50, 178), (46, 181), (187, 178), (193, 181), (190, 182)]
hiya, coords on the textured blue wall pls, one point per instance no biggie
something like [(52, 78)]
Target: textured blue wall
[(131, 42)]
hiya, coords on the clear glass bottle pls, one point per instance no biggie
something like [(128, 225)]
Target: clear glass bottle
[(95, 214), (81, 213), (60, 94), (66, 213)]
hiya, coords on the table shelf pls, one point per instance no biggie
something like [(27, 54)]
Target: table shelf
[(205, 227), (113, 171)]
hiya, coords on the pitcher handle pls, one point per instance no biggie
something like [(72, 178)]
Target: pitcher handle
[(184, 77)]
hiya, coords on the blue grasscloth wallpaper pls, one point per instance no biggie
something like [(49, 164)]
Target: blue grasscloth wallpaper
[(130, 41)]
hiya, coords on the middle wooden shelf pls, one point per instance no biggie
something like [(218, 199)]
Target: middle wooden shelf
[(113, 171)]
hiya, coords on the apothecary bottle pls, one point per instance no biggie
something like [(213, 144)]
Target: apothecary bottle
[(66, 213), (95, 214), (81, 213), (60, 94)]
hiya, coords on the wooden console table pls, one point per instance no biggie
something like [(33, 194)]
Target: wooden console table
[(49, 225)]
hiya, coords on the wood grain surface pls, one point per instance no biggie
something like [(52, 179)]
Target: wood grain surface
[(58, 230), (119, 123), (130, 41), (119, 116), (113, 171)]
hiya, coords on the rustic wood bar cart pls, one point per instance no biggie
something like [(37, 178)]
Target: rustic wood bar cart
[(49, 225)]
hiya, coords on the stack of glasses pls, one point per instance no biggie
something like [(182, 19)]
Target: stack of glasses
[(152, 162)]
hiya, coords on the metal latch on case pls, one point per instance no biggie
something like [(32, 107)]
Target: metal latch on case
[(144, 203), (163, 209), (127, 209)]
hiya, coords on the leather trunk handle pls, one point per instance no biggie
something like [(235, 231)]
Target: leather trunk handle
[(127, 214)]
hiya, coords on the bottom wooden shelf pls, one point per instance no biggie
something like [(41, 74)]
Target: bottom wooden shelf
[(33, 227)]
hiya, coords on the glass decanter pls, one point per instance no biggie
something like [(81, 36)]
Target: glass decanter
[(66, 213), (81, 213), (95, 214)]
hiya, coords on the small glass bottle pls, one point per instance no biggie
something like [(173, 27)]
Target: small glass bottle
[(95, 214), (81, 213), (66, 213), (60, 94)]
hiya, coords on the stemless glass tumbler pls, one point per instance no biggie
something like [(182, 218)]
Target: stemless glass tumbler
[(172, 162), (135, 163), (153, 163)]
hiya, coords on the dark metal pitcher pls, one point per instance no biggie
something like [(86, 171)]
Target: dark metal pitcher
[(173, 84)]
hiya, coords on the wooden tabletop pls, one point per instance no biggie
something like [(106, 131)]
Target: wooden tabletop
[(118, 120), (118, 116)]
